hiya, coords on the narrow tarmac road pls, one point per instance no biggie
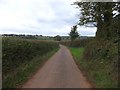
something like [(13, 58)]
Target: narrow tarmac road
[(60, 71)]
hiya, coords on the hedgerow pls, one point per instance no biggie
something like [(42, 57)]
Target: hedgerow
[(17, 51)]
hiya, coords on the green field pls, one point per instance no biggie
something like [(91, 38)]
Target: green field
[(100, 73), (21, 57)]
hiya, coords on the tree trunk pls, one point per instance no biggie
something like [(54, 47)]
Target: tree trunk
[(104, 26)]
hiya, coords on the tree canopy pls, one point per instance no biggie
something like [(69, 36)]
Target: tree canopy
[(57, 38), (100, 15), (74, 34)]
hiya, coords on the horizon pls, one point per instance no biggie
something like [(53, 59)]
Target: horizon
[(48, 17), (47, 35)]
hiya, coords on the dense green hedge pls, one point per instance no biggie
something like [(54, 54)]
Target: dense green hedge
[(17, 51), (76, 43)]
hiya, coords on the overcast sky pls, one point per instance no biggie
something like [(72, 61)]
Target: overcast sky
[(44, 17)]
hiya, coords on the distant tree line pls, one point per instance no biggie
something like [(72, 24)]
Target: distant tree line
[(19, 35), (22, 36)]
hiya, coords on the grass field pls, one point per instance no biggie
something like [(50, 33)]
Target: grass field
[(21, 57), (100, 73)]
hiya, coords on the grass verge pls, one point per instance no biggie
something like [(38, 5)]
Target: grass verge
[(97, 71), (25, 71)]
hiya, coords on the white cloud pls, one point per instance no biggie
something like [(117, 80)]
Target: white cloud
[(87, 31), (47, 17)]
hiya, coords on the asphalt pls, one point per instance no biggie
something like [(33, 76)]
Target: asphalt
[(60, 71)]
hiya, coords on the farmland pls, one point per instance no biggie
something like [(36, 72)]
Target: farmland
[(21, 57)]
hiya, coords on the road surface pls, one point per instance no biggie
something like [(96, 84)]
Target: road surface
[(60, 71)]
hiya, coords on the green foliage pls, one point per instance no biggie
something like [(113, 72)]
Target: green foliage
[(115, 27), (100, 15), (57, 38), (74, 34), (16, 52), (103, 53), (77, 43), (25, 71), (101, 49), (102, 73), (77, 52), (100, 58), (30, 37)]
